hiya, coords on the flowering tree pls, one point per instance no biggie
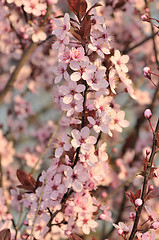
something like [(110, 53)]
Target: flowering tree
[(79, 128)]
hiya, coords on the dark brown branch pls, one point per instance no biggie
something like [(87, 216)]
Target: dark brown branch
[(140, 43), (145, 183)]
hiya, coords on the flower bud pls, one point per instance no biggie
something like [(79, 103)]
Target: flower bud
[(148, 152), (145, 17), (147, 72), (150, 188), (147, 114), (132, 215), (120, 231), (138, 202)]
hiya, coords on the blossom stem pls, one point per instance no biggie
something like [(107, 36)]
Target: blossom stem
[(155, 74), (151, 125)]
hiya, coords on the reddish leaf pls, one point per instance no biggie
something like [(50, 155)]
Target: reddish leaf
[(86, 24), (131, 197), (137, 194), (85, 27), (27, 181), (75, 32), (79, 7), (73, 236), (5, 234)]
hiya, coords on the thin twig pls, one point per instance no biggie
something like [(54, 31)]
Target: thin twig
[(145, 183), (140, 43)]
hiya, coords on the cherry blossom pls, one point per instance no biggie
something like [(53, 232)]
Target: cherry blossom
[(118, 120), (119, 62), (64, 94), (62, 26), (82, 138), (86, 223), (76, 177), (72, 91), (62, 145), (80, 68)]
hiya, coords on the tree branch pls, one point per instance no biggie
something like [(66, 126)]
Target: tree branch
[(145, 183)]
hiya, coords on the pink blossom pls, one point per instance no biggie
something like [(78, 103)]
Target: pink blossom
[(148, 114), (31, 159), (62, 144), (72, 107), (124, 228), (100, 124), (80, 68), (77, 53), (72, 91), (60, 44), (96, 79), (118, 120), (86, 223), (100, 42), (147, 72), (146, 236), (65, 56), (61, 71), (76, 177), (34, 6), (82, 138), (88, 156), (119, 62), (62, 26), (112, 80)]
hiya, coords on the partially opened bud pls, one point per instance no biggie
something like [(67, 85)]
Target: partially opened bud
[(147, 72), (148, 152), (148, 113), (150, 188), (145, 17)]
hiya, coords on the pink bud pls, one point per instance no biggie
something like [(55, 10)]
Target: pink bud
[(104, 194), (147, 72), (67, 232), (147, 152), (150, 188), (132, 215), (145, 17), (120, 231), (148, 114), (102, 216), (138, 202), (26, 223)]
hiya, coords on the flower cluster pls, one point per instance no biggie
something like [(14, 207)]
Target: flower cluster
[(84, 158)]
